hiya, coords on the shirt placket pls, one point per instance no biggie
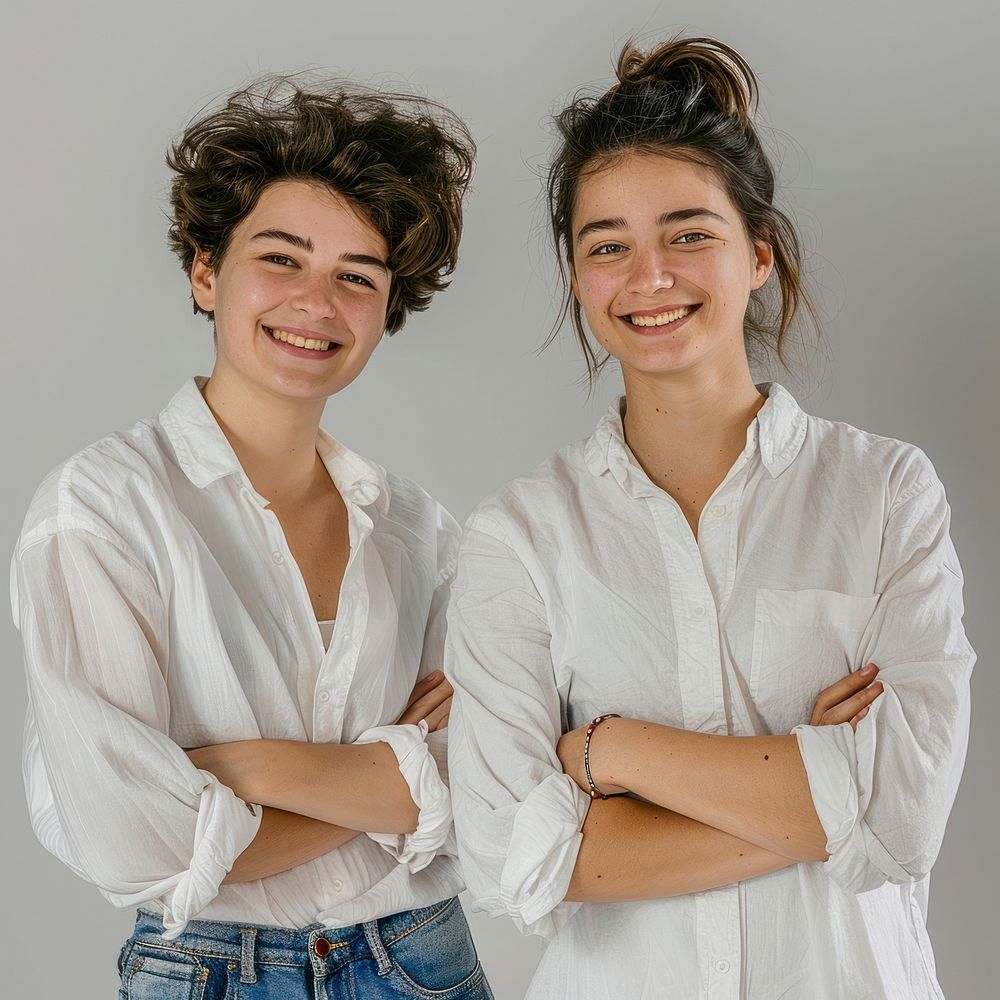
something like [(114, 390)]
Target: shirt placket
[(338, 667), (700, 576), (720, 938), (337, 664)]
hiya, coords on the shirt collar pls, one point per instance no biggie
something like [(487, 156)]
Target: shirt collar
[(778, 430), (205, 455)]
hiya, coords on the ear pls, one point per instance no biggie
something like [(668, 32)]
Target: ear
[(574, 284), (202, 279), (763, 254)]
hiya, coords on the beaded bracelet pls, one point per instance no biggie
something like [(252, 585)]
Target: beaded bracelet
[(595, 793)]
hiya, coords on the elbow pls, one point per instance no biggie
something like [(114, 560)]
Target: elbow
[(866, 861), (814, 845), (919, 861), (120, 881), (409, 817), (819, 855)]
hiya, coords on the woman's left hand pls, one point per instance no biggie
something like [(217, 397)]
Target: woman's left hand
[(602, 743)]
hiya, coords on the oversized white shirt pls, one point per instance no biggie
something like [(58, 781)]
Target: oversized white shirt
[(581, 590), (160, 607)]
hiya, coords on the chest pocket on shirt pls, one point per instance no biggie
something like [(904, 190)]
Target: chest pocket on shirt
[(803, 641)]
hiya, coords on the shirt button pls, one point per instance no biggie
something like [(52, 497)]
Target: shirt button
[(338, 884), (277, 558), (699, 611), (324, 696), (722, 966), (720, 511)]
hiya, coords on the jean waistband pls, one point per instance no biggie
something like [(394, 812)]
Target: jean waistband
[(254, 944)]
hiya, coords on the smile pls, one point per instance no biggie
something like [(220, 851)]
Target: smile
[(296, 340), (660, 319)]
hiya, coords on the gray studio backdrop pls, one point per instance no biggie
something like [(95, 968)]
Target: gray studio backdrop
[(884, 128)]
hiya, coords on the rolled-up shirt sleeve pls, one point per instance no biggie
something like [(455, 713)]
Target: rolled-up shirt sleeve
[(884, 792), (518, 817), (123, 806), (420, 770), (423, 756)]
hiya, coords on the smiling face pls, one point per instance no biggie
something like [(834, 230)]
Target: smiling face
[(662, 265), (300, 295)]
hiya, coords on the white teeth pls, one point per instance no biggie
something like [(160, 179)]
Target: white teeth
[(297, 341), (660, 319)]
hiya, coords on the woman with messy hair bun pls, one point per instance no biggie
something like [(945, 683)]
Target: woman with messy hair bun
[(232, 623), (711, 679)]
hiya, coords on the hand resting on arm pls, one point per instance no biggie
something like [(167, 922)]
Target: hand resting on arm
[(640, 850), (317, 796)]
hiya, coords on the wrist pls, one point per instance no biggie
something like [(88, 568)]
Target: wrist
[(607, 754)]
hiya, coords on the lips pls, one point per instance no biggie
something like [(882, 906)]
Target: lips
[(303, 339), (659, 320)]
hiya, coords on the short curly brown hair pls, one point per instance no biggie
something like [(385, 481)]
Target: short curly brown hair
[(402, 161)]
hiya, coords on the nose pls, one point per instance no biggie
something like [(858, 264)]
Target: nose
[(314, 296), (650, 272)]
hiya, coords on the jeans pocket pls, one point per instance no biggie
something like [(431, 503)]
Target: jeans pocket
[(437, 958), (160, 974)]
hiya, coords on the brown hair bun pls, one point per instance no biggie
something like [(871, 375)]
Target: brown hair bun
[(700, 68)]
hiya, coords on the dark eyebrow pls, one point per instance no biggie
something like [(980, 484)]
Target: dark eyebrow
[(599, 224), (301, 242), (364, 258), (683, 214), (668, 218)]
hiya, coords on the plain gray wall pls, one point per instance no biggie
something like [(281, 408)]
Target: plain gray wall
[(885, 130)]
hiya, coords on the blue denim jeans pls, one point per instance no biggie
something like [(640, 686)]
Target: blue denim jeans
[(424, 953)]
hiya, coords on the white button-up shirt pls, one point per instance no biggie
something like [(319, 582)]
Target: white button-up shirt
[(160, 608), (581, 590)]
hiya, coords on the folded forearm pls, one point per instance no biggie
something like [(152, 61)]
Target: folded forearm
[(753, 787), (358, 786), (283, 841), (637, 850)]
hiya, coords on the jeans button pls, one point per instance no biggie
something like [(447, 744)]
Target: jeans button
[(322, 947)]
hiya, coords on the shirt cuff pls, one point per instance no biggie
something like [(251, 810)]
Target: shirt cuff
[(544, 844), (419, 768), (839, 766), (225, 828)]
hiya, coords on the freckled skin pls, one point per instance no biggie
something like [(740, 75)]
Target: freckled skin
[(701, 262)]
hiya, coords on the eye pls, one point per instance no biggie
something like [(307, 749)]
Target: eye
[(279, 258), (357, 279), (607, 249), (687, 239)]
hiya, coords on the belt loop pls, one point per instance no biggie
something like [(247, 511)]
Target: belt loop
[(377, 946), (248, 956)]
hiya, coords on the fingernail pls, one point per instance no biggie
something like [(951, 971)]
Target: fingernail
[(869, 669), (435, 675)]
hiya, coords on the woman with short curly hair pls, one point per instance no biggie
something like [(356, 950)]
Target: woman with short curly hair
[(232, 624)]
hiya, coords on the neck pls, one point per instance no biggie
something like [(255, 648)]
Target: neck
[(690, 424), (274, 437)]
